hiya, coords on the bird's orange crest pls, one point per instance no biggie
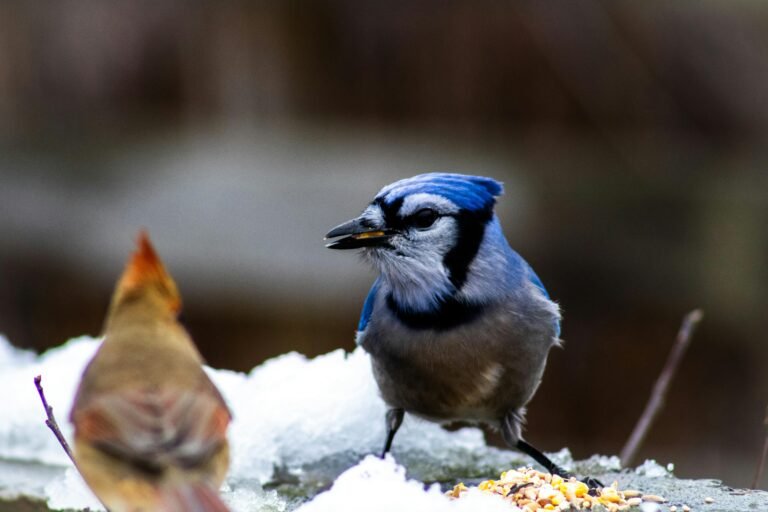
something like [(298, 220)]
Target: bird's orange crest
[(144, 264), (145, 268)]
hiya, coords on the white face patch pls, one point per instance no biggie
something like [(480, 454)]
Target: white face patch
[(374, 215), (416, 202), (412, 264)]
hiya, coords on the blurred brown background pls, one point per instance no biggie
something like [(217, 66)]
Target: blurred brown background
[(631, 137)]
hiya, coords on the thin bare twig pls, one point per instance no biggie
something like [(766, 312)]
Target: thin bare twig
[(51, 420), (658, 395), (763, 457), (51, 423)]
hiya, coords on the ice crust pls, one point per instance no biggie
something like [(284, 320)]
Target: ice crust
[(291, 413)]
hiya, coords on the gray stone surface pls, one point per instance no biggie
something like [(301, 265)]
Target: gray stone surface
[(23, 484), (692, 493)]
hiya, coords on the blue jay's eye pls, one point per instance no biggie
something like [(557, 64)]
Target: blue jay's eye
[(423, 218)]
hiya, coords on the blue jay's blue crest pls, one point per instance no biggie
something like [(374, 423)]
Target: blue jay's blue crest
[(472, 193)]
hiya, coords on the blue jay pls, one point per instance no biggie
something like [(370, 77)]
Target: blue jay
[(457, 324)]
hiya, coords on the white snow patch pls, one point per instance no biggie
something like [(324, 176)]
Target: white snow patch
[(290, 412), (254, 498), (23, 434), (603, 463), (70, 492), (653, 469), (377, 485)]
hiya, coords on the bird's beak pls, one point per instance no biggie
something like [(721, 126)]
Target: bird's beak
[(355, 235)]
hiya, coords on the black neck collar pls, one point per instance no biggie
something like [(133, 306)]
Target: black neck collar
[(450, 313)]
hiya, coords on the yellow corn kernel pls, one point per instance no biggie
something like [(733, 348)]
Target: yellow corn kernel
[(457, 490), (486, 485)]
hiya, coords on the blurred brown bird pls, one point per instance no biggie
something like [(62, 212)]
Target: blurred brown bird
[(150, 426)]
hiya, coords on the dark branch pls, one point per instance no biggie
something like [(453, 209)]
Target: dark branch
[(51, 420), (763, 457), (659, 393)]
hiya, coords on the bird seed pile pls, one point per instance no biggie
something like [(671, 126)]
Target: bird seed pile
[(534, 491)]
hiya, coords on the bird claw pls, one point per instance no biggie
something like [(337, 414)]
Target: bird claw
[(594, 485)]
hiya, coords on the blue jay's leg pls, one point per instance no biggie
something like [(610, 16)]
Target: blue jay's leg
[(394, 420), (542, 459), (510, 430)]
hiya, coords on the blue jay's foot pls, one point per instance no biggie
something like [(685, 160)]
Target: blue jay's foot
[(553, 468), (394, 419), (594, 484), (510, 430)]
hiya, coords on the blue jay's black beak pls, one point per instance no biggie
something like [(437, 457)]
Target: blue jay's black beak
[(355, 234)]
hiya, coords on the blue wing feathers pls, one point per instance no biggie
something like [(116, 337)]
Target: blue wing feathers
[(365, 316)]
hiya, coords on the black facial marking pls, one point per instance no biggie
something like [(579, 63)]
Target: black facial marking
[(423, 218), (450, 313), (470, 228), (390, 211), (367, 223)]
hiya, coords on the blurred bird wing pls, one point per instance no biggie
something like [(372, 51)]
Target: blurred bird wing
[(153, 428)]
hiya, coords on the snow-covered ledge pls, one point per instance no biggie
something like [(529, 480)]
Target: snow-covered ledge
[(300, 426)]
